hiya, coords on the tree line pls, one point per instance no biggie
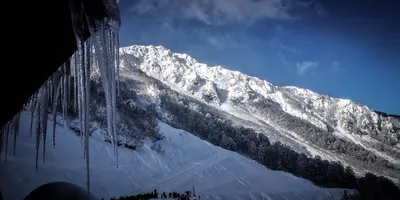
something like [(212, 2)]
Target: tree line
[(152, 195), (278, 156), (322, 138)]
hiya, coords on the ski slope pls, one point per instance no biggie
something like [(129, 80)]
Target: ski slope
[(187, 160)]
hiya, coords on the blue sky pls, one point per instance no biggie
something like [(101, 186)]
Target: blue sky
[(342, 48)]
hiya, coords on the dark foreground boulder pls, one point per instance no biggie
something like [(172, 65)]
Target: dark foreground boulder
[(60, 191)]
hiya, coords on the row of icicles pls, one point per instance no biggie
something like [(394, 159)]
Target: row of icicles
[(102, 50)]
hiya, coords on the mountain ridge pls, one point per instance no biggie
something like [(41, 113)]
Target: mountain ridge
[(199, 73), (184, 55), (292, 111)]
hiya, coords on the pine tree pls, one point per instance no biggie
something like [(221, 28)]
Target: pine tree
[(155, 193)]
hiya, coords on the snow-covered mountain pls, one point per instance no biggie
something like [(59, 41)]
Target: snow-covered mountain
[(296, 116), (187, 160)]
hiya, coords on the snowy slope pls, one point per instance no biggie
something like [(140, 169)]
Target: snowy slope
[(187, 161), (258, 101)]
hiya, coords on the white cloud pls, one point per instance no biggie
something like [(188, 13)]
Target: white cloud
[(287, 48), (213, 41), (304, 67), (167, 26), (336, 67), (217, 12)]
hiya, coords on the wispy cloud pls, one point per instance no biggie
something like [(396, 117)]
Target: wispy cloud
[(214, 41), (287, 54), (288, 48), (335, 67), (275, 42), (167, 27), (218, 12), (304, 67)]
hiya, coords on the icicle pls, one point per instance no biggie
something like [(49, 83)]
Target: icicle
[(114, 106), (2, 136), (105, 43), (81, 93), (15, 140), (38, 128), (16, 130), (64, 87), (100, 50), (32, 108), (107, 65), (8, 130), (115, 39), (67, 79), (77, 17), (116, 57), (76, 82), (87, 106), (1, 140), (80, 87), (51, 90), (41, 123), (61, 90), (57, 91), (2, 133), (44, 117), (99, 30), (56, 86), (83, 80)]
